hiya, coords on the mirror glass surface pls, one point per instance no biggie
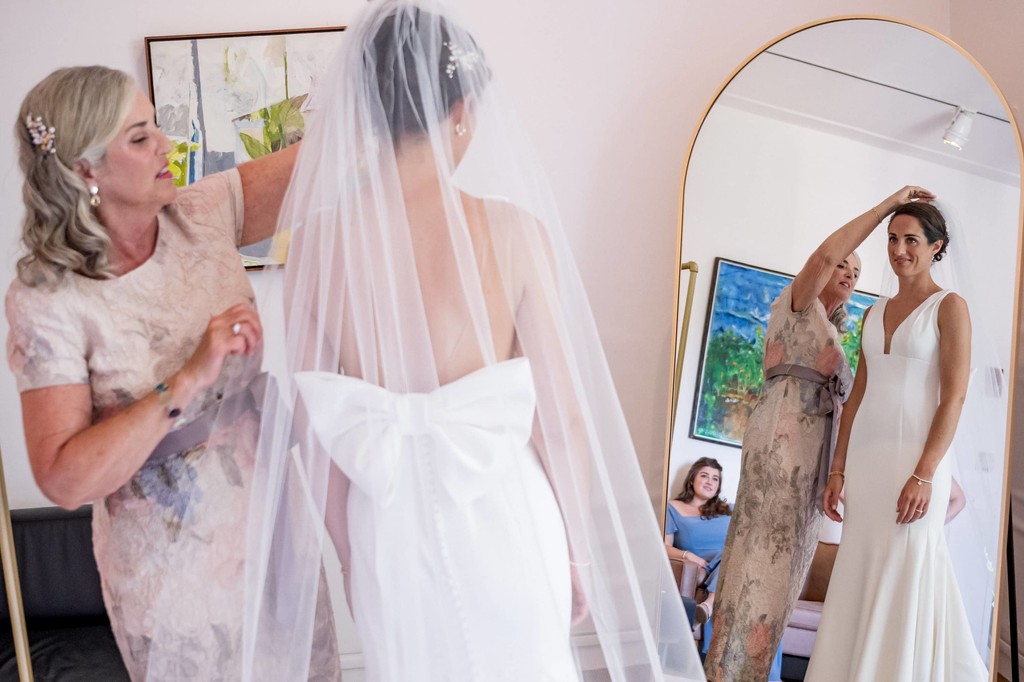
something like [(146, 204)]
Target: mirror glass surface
[(813, 131)]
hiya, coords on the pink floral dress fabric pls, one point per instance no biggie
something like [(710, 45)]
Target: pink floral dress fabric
[(777, 516), (170, 543)]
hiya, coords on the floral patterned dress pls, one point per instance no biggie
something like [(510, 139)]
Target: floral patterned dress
[(777, 516), (170, 543)]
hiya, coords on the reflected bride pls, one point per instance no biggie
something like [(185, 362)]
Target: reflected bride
[(893, 609)]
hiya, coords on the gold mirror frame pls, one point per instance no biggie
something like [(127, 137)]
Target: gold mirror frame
[(678, 350)]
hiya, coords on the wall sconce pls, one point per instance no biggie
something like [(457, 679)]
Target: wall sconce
[(959, 129)]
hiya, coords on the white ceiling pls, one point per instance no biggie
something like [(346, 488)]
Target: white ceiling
[(885, 84)]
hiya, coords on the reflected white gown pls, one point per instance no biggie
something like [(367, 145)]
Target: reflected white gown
[(460, 567), (893, 611)]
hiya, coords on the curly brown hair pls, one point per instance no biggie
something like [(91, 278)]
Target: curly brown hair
[(717, 505)]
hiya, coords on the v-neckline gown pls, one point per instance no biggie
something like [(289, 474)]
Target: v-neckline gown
[(893, 611)]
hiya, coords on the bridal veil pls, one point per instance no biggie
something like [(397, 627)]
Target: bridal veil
[(423, 246)]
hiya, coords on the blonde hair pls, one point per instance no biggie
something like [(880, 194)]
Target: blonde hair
[(86, 106)]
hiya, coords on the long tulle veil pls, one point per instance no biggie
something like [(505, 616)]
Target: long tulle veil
[(423, 244)]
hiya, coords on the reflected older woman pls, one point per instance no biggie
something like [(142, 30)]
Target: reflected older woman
[(132, 327), (786, 452)]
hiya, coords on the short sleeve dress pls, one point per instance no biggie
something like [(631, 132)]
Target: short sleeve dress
[(777, 516), (170, 543)]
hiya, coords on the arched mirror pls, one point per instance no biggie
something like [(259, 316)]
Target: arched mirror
[(813, 130)]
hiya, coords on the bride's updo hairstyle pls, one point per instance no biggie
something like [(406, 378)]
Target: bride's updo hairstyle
[(932, 222), (405, 88)]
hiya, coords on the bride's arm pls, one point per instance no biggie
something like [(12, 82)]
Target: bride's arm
[(837, 474), (560, 430), (336, 520), (954, 375)]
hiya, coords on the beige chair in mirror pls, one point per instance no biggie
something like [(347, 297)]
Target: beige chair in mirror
[(798, 639), (689, 576)]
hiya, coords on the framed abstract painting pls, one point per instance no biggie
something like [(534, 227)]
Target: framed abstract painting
[(226, 98), (731, 373)]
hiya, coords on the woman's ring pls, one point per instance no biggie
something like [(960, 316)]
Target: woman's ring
[(919, 511), (236, 328)]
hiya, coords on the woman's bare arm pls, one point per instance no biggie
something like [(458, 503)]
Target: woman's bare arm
[(834, 487), (954, 375), (75, 461), (264, 182), (817, 271)]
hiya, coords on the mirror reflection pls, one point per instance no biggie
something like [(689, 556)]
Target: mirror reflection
[(821, 129)]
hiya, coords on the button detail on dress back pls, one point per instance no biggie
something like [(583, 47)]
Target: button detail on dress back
[(413, 413)]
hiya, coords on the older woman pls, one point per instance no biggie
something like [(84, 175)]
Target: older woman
[(135, 343), (786, 451)]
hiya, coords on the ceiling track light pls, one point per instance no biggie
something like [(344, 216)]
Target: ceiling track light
[(959, 130)]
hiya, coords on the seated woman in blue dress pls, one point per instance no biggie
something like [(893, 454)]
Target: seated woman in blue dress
[(695, 529)]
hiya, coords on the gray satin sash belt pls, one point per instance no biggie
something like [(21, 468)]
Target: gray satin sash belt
[(830, 400), (226, 411)]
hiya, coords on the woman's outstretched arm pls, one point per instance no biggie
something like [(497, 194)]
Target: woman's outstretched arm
[(817, 271)]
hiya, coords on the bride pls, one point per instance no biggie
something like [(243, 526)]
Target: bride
[(893, 609), (455, 425)]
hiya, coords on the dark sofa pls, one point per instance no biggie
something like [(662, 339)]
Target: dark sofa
[(68, 629)]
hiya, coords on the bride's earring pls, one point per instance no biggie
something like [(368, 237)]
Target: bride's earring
[(460, 129), (94, 196)]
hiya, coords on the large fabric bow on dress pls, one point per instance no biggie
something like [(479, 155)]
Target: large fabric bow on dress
[(831, 396), (465, 426)]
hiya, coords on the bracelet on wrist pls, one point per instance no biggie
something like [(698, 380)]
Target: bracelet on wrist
[(166, 398), (920, 481), (874, 210), (836, 472)]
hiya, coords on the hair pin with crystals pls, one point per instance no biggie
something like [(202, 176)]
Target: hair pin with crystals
[(43, 136), (459, 57)]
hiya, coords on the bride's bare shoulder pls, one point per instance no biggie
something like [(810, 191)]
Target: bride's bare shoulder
[(513, 227), (502, 212)]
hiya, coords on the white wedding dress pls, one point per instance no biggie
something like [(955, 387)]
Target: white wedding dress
[(893, 611), (450, 514)]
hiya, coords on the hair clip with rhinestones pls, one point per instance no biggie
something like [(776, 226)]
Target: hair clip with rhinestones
[(458, 57), (43, 136)]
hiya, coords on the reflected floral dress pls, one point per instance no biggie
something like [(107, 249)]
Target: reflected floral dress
[(170, 543), (777, 516)]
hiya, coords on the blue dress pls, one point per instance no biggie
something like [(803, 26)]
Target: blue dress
[(706, 538)]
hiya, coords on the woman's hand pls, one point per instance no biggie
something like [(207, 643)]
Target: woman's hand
[(236, 331), (831, 497), (694, 559), (580, 610), (904, 196), (914, 500)]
